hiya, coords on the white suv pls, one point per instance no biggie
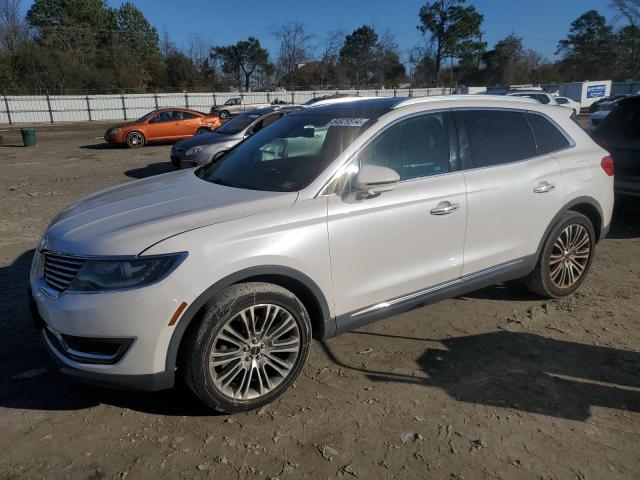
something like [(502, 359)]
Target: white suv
[(331, 218)]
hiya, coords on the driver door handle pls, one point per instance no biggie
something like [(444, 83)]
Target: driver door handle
[(544, 187), (445, 208)]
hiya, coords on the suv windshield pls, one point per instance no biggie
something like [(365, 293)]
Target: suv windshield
[(287, 155)]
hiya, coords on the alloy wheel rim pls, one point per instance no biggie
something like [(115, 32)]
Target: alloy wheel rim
[(254, 352), (136, 139), (570, 256)]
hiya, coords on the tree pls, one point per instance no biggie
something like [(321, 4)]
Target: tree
[(588, 51), (451, 27), (510, 63), (13, 28), (245, 57), (391, 71), (628, 39), (294, 46), (358, 55), (182, 73), (329, 55), (628, 10), (138, 58)]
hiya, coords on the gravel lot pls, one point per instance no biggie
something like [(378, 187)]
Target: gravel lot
[(498, 384)]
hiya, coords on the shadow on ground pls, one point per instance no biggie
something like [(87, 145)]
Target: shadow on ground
[(22, 354), (523, 371), (101, 146), (150, 170)]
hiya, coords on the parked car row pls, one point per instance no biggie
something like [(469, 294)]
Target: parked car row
[(204, 148), (330, 217), (166, 124), (547, 99)]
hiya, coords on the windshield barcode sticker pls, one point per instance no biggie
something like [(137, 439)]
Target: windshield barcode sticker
[(347, 122)]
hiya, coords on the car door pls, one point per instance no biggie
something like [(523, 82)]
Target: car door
[(190, 123), (514, 190), (389, 247), (160, 126)]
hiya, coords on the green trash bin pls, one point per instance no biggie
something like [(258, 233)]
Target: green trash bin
[(28, 137)]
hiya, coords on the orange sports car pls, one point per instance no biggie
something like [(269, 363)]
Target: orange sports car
[(162, 125)]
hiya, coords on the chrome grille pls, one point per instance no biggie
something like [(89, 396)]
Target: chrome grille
[(60, 270)]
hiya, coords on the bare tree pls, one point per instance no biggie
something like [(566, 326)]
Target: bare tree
[(13, 29), (329, 51), (386, 45), (294, 46), (627, 9)]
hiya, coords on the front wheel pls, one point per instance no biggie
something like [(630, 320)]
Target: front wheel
[(135, 140), (566, 257), (251, 344), (202, 130), (224, 114)]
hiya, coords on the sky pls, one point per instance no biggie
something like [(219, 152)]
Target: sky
[(541, 23)]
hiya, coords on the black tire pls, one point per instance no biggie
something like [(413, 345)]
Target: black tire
[(540, 280), (202, 130), (224, 114), (218, 313), (135, 140)]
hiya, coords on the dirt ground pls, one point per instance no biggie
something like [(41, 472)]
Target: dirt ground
[(498, 384)]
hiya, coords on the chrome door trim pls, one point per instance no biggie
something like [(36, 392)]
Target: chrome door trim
[(436, 288)]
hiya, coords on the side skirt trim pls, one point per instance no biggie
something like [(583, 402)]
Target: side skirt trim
[(474, 281)]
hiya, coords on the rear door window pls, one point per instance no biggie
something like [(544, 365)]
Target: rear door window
[(548, 137), (494, 137)]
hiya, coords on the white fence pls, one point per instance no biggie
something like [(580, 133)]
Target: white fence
[(83, 108)]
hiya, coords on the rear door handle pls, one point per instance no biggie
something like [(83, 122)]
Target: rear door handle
[(544, 187), (445, 208)]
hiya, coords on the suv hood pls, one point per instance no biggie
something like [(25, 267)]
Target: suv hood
[(203, 139), (127, 219)]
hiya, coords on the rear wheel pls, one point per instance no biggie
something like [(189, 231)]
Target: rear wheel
[(250, 346), (202, 130), (135, 140), (565, 258)]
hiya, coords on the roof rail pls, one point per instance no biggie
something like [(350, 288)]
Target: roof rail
[(333, 101), (443, 98)]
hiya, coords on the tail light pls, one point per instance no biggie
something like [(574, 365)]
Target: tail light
[(607, 165)]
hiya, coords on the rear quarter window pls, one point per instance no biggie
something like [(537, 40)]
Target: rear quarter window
[(548, 137)]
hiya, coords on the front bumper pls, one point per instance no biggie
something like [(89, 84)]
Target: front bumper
[(117, 339), (184, 161)]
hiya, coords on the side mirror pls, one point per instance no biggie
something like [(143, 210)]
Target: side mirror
[(372, 180)]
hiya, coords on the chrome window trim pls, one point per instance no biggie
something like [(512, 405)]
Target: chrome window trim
[(323, 193), (572, 143), (567, 137), (435, 288)]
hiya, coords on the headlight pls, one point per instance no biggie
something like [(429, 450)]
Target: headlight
[(98, 275), (194, 150), (116, 130)]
